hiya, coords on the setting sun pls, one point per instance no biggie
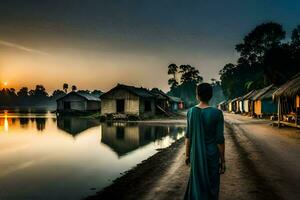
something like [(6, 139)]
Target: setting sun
[(5, 83)]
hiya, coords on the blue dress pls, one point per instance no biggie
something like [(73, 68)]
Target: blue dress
[(205, 129)]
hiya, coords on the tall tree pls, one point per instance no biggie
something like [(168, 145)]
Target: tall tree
[(65, 87), (173, 70), (189, 74), (23, 92), (74, 88), (259, 40)]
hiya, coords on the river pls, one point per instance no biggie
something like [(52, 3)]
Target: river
[(44, 157)]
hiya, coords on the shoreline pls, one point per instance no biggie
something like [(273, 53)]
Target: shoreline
[(138, 180)]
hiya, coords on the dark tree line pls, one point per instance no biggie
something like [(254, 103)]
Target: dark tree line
[(266, 57), (183, 82), (37, 97)]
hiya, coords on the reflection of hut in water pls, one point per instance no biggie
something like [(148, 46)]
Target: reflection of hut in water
[(75, 125), (124, 138)]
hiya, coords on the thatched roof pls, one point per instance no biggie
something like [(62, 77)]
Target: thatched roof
[(261, 94), (246, 96), (290, 88), (87, 96), (138, 91)]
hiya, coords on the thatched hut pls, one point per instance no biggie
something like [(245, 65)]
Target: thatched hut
[(128, 100), (263, 103), (223, 105), (288, 96), (245, 102), (78, 102)]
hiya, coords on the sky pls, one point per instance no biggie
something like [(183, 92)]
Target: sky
[(95, 44)]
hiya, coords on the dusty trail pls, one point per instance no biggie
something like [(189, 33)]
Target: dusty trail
[(262, 163)]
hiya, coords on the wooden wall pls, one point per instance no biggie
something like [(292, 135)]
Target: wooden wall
[(257, 107), (77, 103), (109, 102), (298, 101)]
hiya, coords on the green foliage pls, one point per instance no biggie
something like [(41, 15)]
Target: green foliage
[(189, 78), (264, 60)]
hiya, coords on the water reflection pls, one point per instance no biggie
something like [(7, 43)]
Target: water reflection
[(76, 125), (123, 138), (38, 149), (7, 121)]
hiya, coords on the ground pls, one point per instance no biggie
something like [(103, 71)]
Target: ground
[(262, 163)]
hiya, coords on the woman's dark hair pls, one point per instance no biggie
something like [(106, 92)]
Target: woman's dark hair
[(204, 92)]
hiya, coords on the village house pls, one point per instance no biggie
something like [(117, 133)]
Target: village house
[(288, 98), (78, 102), (175, 104), (168, 103), (263, 103), (246, 101), (128, 100)]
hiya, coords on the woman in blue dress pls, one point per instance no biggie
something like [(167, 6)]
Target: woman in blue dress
[(204, 147)]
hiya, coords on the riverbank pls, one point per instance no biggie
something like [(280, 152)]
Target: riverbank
[(137, 181), (248, 176)]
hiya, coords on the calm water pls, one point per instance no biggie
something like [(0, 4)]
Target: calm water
[(42, 157)]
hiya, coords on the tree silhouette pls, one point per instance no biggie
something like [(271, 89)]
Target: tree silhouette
[(189, 74), (264, 59), (74, 88), (172, 70), (23, 92), (65, 87), (259, 40)]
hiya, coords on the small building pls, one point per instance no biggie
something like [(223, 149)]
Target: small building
[(247, 101), (78, 102), (288, 99), (234, 107), (128, 100), (175, 103), (263, 104), (161, 101), (223, 105)]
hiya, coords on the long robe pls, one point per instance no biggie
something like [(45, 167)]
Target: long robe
[(205, 129)]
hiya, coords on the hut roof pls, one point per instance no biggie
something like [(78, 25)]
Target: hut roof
[(175, 99), (246, 96), (261, 93), (87, 96), (236, 99), (159, 93), (141, 92), (290, 88)]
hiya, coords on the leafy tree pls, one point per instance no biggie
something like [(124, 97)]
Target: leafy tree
[(262, 38), (189, 74), (74, 88), (40, 91), (23, 92), (173, 70), (65, 87), (58, 93), (295, 38)]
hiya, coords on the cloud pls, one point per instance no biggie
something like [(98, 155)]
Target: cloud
[(22, 48)]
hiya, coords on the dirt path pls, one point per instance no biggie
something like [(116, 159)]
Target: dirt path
[(252, 170)]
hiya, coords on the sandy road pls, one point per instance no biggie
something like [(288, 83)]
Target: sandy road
[(262, 163)]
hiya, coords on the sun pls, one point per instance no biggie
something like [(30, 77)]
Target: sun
[(5, 83)]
